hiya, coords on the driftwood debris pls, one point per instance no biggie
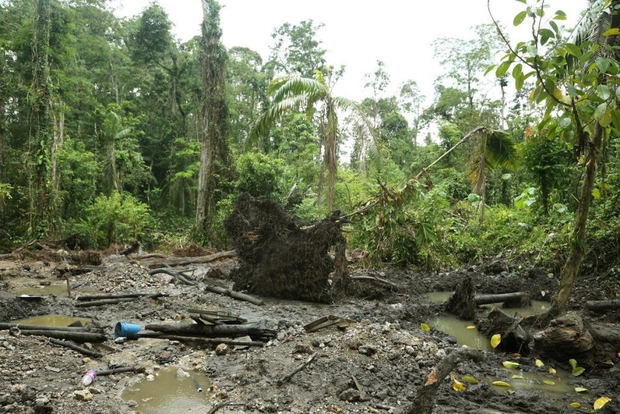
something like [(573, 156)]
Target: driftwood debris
[(121, 296), (175, 274), (103, 302), (513, 299), (199, 339), (77, 348), (278, 258), (158, 262), (602, 305), (303, 365), (253, 330), (22, 327), (376, 280), (425, 397), (462, 303), (234, 294), (68, 335), (119, 370), (327, 321)]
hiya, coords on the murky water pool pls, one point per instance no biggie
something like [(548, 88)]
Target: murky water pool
[(170, 393), (53, 320)]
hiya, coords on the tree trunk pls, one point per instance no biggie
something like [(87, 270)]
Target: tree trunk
[(1, 146), (331, 160), (559, 303)]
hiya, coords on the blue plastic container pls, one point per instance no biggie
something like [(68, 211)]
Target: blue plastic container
[(126, 329)]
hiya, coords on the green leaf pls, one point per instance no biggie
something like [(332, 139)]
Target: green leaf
[(510, 364), (425, 327), (495, 340), (519, 18), (605, 120), (502, 68), (500, 383), (565, 122), (612, 32), (602, 63), (599, 112), (560, 15), (577, 371), (555, 27), (489, 69), (470, 379), (572, 362), (603, 92), (573, 49), (545, 35)]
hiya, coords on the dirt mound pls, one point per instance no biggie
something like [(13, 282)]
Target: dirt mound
[(279, 259)]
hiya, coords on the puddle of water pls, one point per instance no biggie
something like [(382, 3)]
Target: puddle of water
[(27, 287), (534, 381), (536, 308), (53, 320), (457, 328), (438, 297), (169, 394)]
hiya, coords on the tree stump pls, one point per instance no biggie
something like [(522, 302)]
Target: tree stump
[(462, 303)]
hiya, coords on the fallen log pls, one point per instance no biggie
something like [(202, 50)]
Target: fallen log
[(326, 321), (68, 335), (234, 294), (425, 397), (77, 348), (517, 298), (22, 327), (182, 261), (121, 296), (102, 302), (177, 275), (180, 338), (212, 330), (288, 377), (602, 305), (119, 370), (375, 280)]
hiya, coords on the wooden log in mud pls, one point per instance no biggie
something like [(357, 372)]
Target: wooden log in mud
[(517, 298), (76, 348), (234, 294), (68, 335), (603, 305), (376, 280), (462, 303), (426, 394), (119, 370), (153, 263), (104, 302), (301, 366), (212, 330), (121, 296), (24, 327), (198, 339), (176, 275)]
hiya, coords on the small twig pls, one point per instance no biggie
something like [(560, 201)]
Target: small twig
[(77, 348), (216, 407), (363, 395), (288, 377)]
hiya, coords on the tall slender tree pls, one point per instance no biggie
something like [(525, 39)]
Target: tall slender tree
[(214, 113)]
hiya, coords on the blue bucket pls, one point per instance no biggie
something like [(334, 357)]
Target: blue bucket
[(126, 329)]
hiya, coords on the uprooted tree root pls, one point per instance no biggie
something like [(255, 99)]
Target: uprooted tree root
[(279, 259)]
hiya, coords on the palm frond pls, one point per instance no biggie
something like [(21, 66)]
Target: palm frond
[(265, 121), (500, 149), (296, 85)]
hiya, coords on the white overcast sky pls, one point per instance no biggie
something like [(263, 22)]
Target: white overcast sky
[(357, 33)]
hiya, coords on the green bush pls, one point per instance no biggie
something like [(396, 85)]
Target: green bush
[(118, 218), (259, 174)]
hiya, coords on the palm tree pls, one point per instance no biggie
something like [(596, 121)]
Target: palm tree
[(292, 93)]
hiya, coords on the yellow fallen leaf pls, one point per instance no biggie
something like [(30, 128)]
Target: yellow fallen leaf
[(511, 391), (469, 378), (495, 340), (575, 405), (577, 371), (501, 383), (581, 389), (471, 326), (515, 376), (425, 327), (539, 363), (458, 386), (548, 382), (600, 402), (510, 364), (431, 378), (609, 362), (552, 371)]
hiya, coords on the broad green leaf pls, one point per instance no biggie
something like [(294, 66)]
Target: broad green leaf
[(605, 120), (560, 15), (573, 49), (581, 389), (510, 364), (548, 382), (545, 35), (425, 327), (519, 18), (596, 194), (517, 71), (552, 371), (600, 402), (469, 378), (489, 69), (599, 112), (603, 92), (502, 69), (612, 32), (539, 363), (501, 383), (495, 340), (577, 371), (555, 27), (575, 405), (572, 362), (602, 64)]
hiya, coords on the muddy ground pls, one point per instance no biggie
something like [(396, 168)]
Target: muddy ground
[(383, 349)]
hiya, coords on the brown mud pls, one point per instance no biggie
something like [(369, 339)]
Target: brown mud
[(373, 364)]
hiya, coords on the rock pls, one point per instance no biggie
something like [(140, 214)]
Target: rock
[(221, 349), (132, 403), (182, 374), (303, 348), (95, 390), (150, 377), (17, 387), (350, 395), (83, 395), (368, 350)]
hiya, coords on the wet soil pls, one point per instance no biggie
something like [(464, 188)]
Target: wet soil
[(373, 365)]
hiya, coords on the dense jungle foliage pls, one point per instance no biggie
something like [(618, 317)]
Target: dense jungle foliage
[(103, 121)]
